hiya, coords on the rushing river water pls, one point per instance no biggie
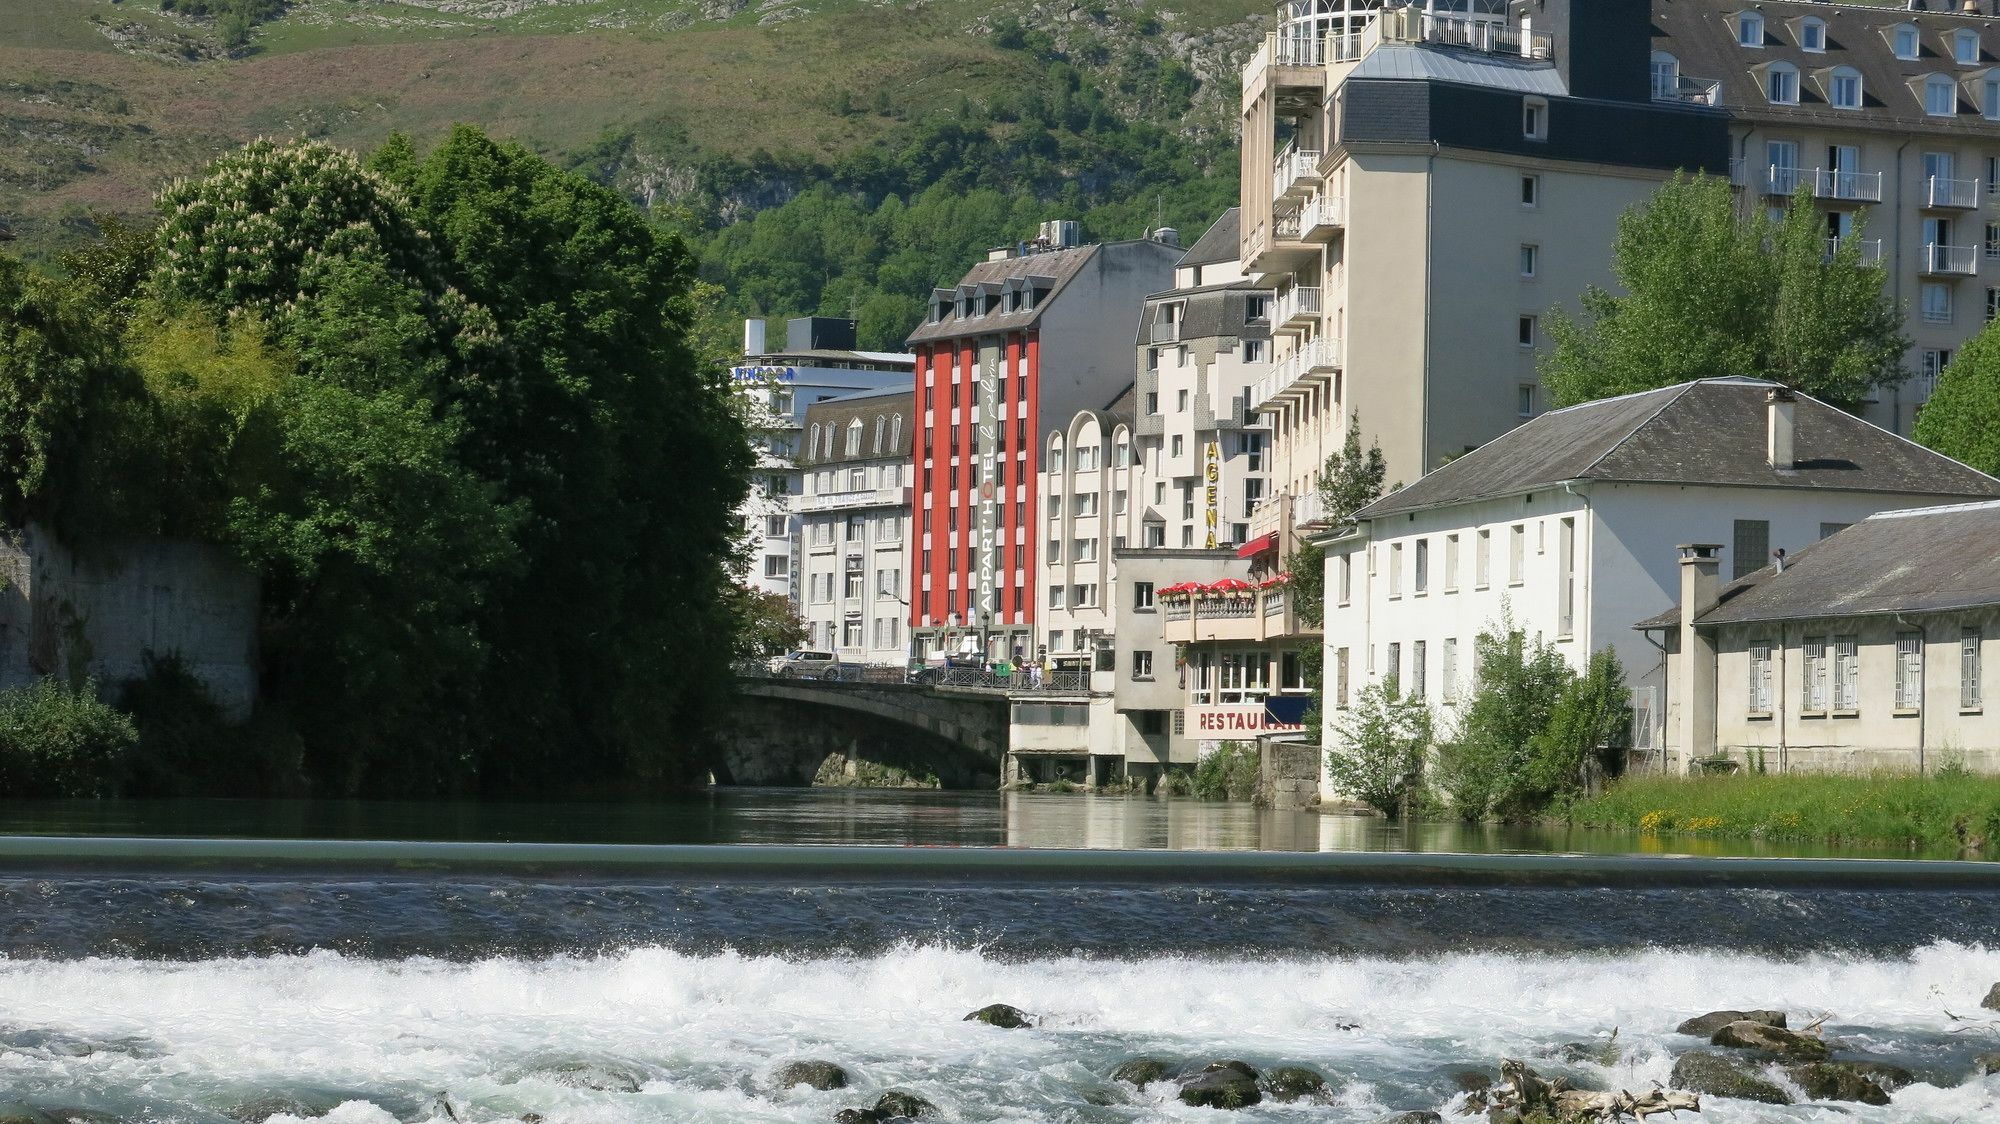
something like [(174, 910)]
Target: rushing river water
[(200, 980)]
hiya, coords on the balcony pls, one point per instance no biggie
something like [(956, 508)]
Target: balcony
[(1256, 615), (1871, 249), (838, 501), (1941, 194), (1783, 181), (1322, 217), (1297, 307), (1847, 187), (1940, 260), (1295, 173), (1487, 35), (1298, 372), (1166, 331)]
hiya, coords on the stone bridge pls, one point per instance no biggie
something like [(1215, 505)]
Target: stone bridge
[(788, 727)]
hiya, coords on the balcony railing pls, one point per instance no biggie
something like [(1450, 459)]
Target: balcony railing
[(1295, 170), (1298, 305), (1950, 261), (1298, 50), (1871, 248), (1322, 215), (1166, 331), (1490, 36), (1781, 180), (1940, 192), (1289, 226), (1318, 357), (1853, 187)]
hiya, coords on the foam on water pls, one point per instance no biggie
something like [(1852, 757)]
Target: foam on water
[(187, 1041)]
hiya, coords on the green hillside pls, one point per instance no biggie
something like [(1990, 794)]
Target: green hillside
[(712, 113)]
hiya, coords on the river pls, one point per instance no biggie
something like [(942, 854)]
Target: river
[(267, 962)]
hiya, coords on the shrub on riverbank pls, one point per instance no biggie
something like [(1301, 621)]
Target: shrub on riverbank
[(1230, 773), (1950, 810), (57, 740)]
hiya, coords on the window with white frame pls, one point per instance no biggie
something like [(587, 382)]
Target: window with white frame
[(1666, 77), (1448, 677), (1142, 595), (1531, 191), (889, 582), (1812, 34), (1085, 596), (1086, 550), (1535, 118), (1517, 553), (1419, 665), (1781, 84), (1451, 563), (1142, 664), (1527, 330), (1846, 673), (1909, 671), (1482, 559), (1965, 46), (1392, 669), (1256, 351), (1055, 597), (1346, 579), (1760, 679), (1531, 259), (1903, 40), (1396, 569), (1750, 29), (1940, 96), (1937, 303), (1422, 576), (1931, 362), (1086, 503), (1524, 400), (1814, 695), (1844, 90)]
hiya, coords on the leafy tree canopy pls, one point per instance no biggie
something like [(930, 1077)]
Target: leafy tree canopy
[(1961, 418), (1710, 291)]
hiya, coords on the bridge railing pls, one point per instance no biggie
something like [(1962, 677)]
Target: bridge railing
[(1018, 680)]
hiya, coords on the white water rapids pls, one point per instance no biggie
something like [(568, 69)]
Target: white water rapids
[(380, 1039)]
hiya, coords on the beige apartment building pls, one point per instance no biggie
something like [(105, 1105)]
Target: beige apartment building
[(1889, 118)]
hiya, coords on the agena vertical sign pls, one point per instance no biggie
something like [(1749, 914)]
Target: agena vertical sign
[(989, 468), (1211, 474)]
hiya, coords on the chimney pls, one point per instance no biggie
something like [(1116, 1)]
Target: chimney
[(1000, 253), (1694, 678), (1779, 407), (1167, 236), (753, 336)]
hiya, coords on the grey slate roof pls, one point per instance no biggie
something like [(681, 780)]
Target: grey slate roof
[(1922, 560), (868, 406), (1702, 35), (1055, 268), (1468, 68), (1218, 243), (1707, 432), (1209, 311)]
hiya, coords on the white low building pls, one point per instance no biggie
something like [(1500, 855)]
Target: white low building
[(1571, 523)]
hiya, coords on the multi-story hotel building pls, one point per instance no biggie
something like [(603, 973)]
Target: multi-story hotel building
[(818, 362), (1026, 340), (854, 515), (1889, 118)]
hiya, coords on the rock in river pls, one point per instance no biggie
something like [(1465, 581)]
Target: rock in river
[(1746, 1035), (599, 1077), (1415, 1116), (819, 1075), (1836, 1081), (1142, 1071), (1002, 1016), (1708, 1024), (1222, 1085), (897, 1102), (1294, 1083), (1720, 1076)]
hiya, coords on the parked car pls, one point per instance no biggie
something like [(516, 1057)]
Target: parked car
[(804, 664)]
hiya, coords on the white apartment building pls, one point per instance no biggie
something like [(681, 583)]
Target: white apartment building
[(854, 525), (1571, 524), (778, 386)]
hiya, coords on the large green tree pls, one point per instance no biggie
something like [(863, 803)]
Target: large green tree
[(1962, 417), (1711, 289)]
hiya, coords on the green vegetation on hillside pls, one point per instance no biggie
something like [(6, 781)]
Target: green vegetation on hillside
[(447, 407), (1948, 810)]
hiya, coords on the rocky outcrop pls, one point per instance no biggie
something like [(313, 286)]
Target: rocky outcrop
[(1716, 1075), (598, 1077), (1228, 1084), (1294, 1083), (1705, 1025), (896, 1104), (1992, 1000), (1836, 1081), (1746, 1035), (814, 1074), (1414, 1116), (1002, 1015)]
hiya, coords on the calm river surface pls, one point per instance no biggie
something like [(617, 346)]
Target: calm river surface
[(223, 962)]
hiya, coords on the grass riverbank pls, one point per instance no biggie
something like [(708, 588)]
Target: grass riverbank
[(1951, 811)]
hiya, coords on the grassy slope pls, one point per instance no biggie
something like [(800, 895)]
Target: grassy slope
[(1932, 812), (84, 124)]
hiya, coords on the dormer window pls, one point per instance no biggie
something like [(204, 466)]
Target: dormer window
[(1903, 40), (1666, 77), (1013, 300), (1844, 89), (1781, 83), (1535, 118), (1812, 34), (1750, 29), (1989, 101), (1965, 46), (1940, 96), (938, 312)]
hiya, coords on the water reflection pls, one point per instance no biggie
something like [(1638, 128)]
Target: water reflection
[(838, 816)]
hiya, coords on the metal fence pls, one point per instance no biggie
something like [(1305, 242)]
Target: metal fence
[(1054, 680)]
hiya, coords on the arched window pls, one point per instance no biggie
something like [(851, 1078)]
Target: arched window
[(1903, 40), (1124, 447), (895, 432), (1781, 83), (812, 442), (1844, 88), (1666, 77), (1750, 29), (1812, 34), (854, 438), (881, 423), (1940, 96), (1056, 453)]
